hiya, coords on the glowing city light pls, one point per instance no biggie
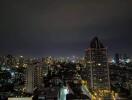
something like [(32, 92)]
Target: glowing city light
[(21, 56), (99, 64), (128, 61)]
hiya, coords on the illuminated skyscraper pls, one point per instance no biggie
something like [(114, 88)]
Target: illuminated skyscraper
[(97, 66)]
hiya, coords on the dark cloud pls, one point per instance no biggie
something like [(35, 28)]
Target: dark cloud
[(64, 27)]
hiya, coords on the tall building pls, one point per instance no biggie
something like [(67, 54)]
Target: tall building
[(34, 77), (97, 66), (117, 58)]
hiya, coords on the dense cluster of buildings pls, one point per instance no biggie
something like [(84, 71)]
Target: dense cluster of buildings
[(93, 76)]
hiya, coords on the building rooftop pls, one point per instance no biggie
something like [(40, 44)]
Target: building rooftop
[(95, 43)]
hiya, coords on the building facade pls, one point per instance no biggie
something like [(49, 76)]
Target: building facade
[(97, 66), (34, 77)]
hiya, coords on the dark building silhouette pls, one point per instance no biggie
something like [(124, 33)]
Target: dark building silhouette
[(117, 58)]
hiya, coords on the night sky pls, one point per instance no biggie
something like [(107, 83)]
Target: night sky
[(64, 27)]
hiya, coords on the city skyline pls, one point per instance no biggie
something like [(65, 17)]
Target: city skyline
[(66, 50), (64, 28)]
